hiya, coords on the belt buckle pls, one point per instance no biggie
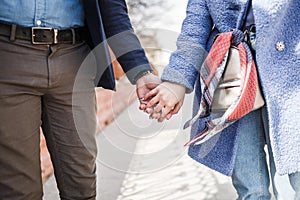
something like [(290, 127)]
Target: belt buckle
[(55, 35)]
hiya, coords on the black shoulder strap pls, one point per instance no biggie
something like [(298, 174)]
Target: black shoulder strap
[(244, 15)]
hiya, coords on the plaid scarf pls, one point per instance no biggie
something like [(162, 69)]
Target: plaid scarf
[(210, 75)]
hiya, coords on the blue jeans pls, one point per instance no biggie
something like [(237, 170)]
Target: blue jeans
[(251, 171)]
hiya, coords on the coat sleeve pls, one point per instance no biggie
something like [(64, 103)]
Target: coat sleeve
[(185, 62), (122, 39)]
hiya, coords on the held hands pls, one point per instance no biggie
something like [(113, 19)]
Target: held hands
[(144, 85), (164, 101), (159, 99)]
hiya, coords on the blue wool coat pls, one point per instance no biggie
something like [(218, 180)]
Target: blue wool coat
[(278, 63)]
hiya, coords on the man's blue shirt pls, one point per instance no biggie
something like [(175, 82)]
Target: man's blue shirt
[(60, 14)]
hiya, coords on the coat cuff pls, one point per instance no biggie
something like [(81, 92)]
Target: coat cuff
[(175, 76)]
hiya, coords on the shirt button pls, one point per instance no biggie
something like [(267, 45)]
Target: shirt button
[(38, 22), (280, 46)]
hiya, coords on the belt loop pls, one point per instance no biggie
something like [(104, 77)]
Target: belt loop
[(13, 30), (73, 36)]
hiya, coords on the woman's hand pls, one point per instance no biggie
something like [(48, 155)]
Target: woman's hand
[(166, 100)]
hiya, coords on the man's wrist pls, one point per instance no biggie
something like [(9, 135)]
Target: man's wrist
[(141, 74)]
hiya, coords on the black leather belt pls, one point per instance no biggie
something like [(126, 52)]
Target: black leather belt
[(42, 35)]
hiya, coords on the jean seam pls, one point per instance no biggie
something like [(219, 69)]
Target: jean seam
[(261, 173), (261, 138)]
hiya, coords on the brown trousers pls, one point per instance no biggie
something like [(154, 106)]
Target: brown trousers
[(40, 87)]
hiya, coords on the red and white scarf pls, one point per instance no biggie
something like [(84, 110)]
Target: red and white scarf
[(210, 74)]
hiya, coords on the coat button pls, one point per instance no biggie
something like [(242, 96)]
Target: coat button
[(280, 46)]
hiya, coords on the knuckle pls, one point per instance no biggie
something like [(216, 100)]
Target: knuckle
[(169, 104), (165, 99)]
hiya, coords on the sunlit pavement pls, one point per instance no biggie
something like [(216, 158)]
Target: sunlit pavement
[(153, 166)]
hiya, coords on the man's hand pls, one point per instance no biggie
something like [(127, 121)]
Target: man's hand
[(144, 85), (166, 99)]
